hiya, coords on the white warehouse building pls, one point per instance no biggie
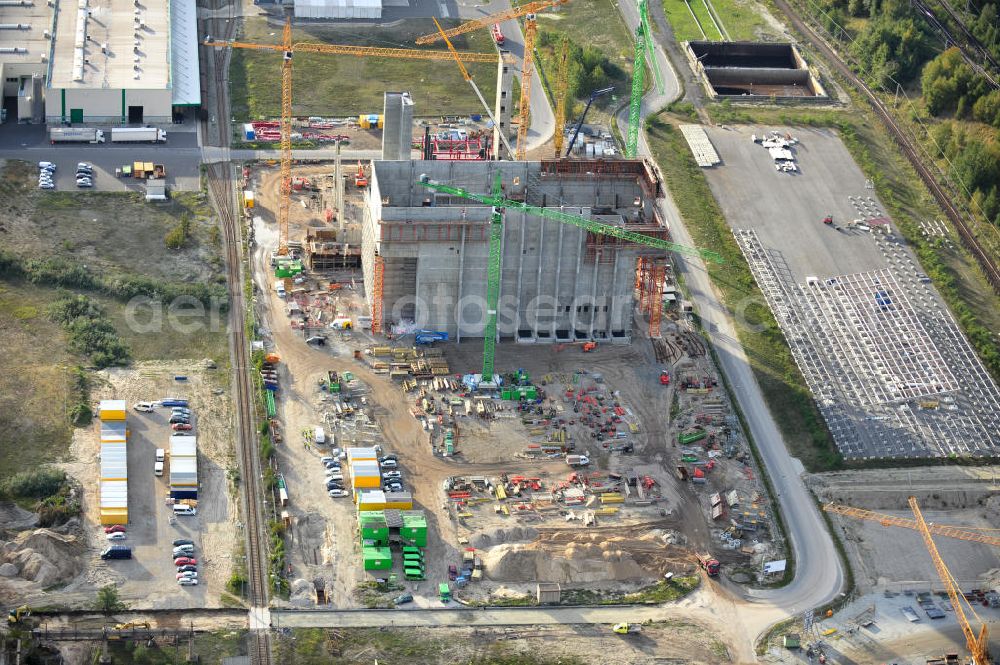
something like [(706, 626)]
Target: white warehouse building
[(99, 61), (342, 9)]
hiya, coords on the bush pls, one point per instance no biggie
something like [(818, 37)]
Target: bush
[(237, 583), (179, 236), (80, 414), (90, 332), (35, 484)]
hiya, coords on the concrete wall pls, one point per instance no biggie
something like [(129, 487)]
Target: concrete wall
[(436, 250), (106, 106), (735, 64), (397, 132), (504, 104)]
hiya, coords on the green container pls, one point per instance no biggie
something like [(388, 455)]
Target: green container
[(377, 558), (409, 549), (414, 574), (691, 437), (407, 558), (372, 526), (288, 268), (414, 529), (269, 399)]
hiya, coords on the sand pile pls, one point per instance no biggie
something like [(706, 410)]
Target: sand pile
[(500, 535), (44, 556), (573, 557), (15, 518)]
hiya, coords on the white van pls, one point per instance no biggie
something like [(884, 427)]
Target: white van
[(319, 437), (279, 288), (184, 509), (158, 469), (160, 454)]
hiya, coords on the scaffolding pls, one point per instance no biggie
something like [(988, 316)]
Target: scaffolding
[(377, 283)]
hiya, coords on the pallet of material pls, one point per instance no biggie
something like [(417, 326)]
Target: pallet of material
[(606, 511), (612, 497)]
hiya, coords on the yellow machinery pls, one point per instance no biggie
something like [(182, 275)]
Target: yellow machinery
[(15, 615), (133, 625), (288, 49), (978, 644)]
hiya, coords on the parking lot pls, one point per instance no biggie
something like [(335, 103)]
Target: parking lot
[(180, 156), (887, 363), (149, 578)]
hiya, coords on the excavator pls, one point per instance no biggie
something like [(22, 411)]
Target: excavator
[(15, 615), (133, 625)]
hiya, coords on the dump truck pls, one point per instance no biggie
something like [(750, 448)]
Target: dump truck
[(709, 564), (75, 135), (138, 135), (577, 460)]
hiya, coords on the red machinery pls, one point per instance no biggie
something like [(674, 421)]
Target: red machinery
[(497, 34)]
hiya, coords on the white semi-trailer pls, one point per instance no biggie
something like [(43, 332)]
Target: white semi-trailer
[(75, 135), (138, 135)]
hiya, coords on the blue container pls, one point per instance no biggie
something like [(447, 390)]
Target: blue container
[(180, 378), (170, 401), (476, 117), (191, 493)]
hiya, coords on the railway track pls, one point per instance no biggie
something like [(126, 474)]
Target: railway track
[(221, 191), (943, 197)]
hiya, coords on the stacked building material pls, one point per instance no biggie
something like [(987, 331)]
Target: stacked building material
[(113, 485), (183, 478)]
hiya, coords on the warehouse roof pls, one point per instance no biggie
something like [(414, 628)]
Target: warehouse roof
[(34, 18), (185, 81), (111, 44)]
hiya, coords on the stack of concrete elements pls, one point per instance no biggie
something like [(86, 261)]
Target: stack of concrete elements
[(183, 479), (113, 485), (362, 464)]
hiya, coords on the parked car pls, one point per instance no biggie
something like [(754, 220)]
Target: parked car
[(187, 581), (117, 552), (392, 475), (190, 574), (339, 493), (144, 407), (187, 569), (174, 401), (394, 486), (452, 572), (182, 427), (117, 535), (174, 419), (84, 173), (46, 184), (325, 460), (84, 183), (84, 165), (402, 599), (182, 551), (115, 528), (183, 541), (332, 465), (185, 561), (388, 463), (334, 474), (47, 166), (334, 485)]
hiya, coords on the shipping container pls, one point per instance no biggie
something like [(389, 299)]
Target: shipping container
[(183, 446), (361, 454), (113, 431), (376, 558), (114, 461), (184, 493), (399, 500), (138, 135), (183, 472), (75, 135), (112, 409)]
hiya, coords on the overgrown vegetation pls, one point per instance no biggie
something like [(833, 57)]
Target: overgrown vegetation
[(587, 68), (742, 19), (58, 272), (180, 235), (108, 601), (90, 332), (276, 535), (47, 491), (780, 381), (80, 414)]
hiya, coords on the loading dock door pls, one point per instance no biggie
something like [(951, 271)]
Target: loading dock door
[(135, 115), (76, 115)]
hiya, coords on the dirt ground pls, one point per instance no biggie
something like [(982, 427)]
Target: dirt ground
[(323, 540), (148, 579), (674, 642)]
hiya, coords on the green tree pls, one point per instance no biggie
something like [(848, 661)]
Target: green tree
[(108, 601)]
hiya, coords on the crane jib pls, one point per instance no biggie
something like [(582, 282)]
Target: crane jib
[(497, 202)]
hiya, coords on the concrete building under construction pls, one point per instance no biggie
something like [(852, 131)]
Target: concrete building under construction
[(425, 254)]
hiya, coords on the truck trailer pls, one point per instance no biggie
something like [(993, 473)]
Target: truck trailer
[(138, 135), (75, 135)]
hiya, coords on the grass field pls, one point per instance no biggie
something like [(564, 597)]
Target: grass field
[(340, 85), (781, 383), (743, 20)]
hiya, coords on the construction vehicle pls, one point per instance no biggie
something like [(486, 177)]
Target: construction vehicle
[(828, 220), (709, 564), (497, 35), (288, 49), (576, 130), (643, 54), (360, 179), (588, 347), (499, 203), (302, 184), (577, 460), (625, 628), (133, 625), (15, 615), (978, 644), (664, 378)]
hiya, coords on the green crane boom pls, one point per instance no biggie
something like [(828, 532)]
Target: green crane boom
[(643, 54), (497, 201)]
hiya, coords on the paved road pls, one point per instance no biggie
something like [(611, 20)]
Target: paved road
[(211, 154), (818, 574)]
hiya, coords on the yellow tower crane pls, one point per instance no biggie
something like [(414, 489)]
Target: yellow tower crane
[(562, 86), (527, 71), (288, 49), (978, 644), (487, 21)]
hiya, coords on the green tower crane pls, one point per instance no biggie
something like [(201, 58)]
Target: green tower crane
[(497, 201), (643, 54)]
